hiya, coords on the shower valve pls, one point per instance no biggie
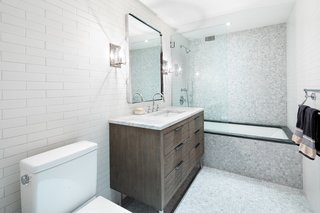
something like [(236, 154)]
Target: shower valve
[(182, 100)]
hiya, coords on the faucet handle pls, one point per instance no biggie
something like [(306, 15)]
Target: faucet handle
[(157, 107)]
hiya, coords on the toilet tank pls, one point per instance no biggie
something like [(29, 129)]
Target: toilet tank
[(59, 180)]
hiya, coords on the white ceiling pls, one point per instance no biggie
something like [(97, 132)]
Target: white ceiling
[(189, 15)]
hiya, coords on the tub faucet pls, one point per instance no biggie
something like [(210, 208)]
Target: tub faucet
[(153, 100)]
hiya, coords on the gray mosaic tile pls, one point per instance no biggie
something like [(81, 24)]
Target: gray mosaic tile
[(242, 76), (274, 162), (216, 191)]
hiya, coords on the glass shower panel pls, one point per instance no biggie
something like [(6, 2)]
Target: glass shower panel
[(180, 69), (203, 81)]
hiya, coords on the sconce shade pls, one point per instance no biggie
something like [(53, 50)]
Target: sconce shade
[(116, 56)]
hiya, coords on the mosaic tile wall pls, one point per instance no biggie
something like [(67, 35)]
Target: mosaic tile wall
[(274, 162), (241, 77)]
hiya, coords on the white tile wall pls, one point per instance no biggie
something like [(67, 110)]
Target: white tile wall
[(304, 72), (56, 86)]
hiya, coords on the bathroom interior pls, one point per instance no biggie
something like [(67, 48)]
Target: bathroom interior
[(151, 106)]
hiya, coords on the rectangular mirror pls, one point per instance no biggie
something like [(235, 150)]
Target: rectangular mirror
[(145, 61)]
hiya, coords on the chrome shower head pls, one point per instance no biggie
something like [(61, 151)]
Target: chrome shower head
[(185, 48)]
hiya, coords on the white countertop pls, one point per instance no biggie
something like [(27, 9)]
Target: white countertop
[(156, 121)]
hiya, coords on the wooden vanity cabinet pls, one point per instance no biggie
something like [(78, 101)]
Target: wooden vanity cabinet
[(150, 165)]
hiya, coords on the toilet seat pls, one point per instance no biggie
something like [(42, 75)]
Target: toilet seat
[(102, 205)]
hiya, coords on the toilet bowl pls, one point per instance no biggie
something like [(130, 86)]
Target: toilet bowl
[(63, 180)]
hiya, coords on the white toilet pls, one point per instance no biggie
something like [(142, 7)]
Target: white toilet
[(63, 180)]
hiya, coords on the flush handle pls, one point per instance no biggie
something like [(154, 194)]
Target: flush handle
[(25, 179)]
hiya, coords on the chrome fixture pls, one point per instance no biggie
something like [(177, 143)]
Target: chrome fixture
[(167, 68), (117, 56), (172, 44), (141, 97), (182, 99), (313, 95), (25, 179), (153, 100), (185, 48)]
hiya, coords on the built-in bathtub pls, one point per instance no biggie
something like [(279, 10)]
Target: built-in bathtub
[(277, 134), (261, 152)]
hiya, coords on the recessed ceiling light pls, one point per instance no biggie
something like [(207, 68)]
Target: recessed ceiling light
[(228, 24), (146, 41)]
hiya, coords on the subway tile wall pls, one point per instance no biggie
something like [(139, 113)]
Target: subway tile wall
[(56, 86)]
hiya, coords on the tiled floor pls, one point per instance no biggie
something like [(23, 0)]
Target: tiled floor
[(219, 191)]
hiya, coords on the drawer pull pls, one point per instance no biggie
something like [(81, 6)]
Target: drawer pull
[(196, 117), (198, 144), (179, 165), (178, 129), (179, 146), (196, 132)]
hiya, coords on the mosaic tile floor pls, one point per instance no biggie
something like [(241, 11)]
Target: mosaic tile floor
[(216, 191)]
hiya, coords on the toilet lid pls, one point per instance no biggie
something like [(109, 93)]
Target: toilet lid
[(102, 205)]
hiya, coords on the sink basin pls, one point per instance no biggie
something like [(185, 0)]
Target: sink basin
[(167, 113)]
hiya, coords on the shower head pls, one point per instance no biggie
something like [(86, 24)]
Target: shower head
[(185, 48)]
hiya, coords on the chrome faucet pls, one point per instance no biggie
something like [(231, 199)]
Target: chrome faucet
[(141, 97), (162, 96)]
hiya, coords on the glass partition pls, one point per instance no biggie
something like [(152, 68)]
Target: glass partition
[(203, 77)]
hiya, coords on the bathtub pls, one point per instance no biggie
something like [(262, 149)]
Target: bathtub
[(261, 152), (258, 132)]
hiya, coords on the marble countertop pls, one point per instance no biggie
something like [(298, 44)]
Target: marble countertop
[(157, 120)]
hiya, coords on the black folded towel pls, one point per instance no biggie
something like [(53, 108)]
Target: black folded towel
[(317, 141), (311, 130), (297, 136)]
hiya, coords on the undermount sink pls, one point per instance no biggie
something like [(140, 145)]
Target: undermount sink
[(167, 113)]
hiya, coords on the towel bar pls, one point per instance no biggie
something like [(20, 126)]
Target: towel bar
[(313, 95)]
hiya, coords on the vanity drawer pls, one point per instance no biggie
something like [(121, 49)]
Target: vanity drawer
[(196, 152), (196, 122), (173, 180), (197, 136), (176, 135), (178, 154)]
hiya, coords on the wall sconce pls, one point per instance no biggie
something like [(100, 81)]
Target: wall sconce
[(177, 69), (166, 68), (117, 56)]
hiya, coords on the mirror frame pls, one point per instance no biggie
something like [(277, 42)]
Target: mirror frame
[(129, 89)]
